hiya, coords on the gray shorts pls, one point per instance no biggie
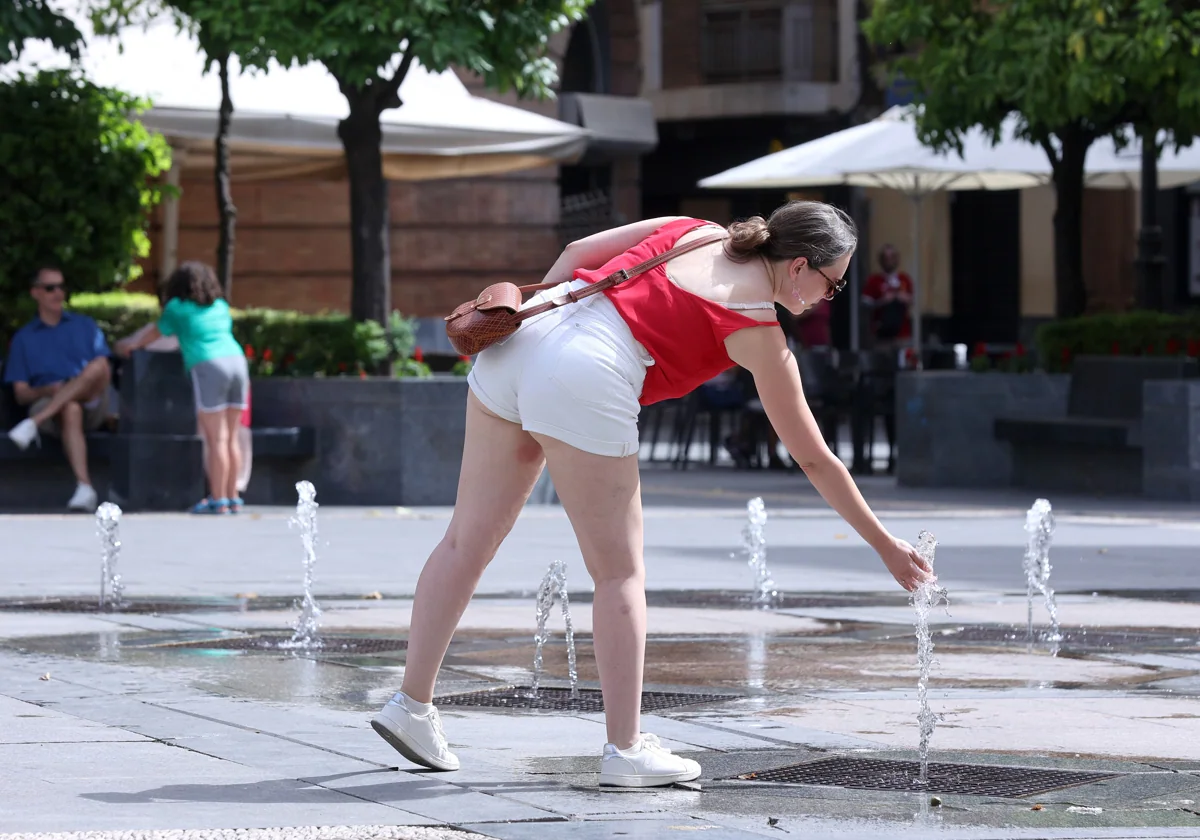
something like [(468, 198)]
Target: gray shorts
[(222, 383)]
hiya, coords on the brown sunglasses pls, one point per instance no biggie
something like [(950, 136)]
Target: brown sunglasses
[(834, 286)]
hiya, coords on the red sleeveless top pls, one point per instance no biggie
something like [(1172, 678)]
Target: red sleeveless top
[(683, 332)]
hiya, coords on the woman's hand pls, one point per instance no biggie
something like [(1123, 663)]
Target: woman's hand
[(908, 568), (122, 349)]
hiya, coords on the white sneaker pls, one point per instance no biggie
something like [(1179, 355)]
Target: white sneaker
[(415, 731), (85, 499), (646, 764), (24, 433)]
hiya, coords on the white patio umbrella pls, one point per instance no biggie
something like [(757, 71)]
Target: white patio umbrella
[(1108, 168), (886, 153)]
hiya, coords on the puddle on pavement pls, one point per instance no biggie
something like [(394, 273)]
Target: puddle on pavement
[(866, 659)]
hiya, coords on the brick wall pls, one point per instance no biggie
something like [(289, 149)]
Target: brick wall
[(681, 43), (448, 239)]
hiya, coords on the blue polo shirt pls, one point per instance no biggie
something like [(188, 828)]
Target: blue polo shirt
[(41, 354)]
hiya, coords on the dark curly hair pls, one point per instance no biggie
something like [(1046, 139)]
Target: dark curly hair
[(194, 281)]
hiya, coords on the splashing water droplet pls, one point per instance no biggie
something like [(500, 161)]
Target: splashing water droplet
[(306, 633), (924, 598), (108, 524), (754, 547), (554, 584), (1039, 525)]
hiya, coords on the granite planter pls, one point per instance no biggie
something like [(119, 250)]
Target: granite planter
[(1171, 440), (378, 441), (945, 423)]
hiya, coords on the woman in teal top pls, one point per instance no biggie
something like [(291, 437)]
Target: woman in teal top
[(198, 315)]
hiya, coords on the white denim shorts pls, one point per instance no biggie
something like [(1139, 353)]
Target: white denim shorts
[(574, 374)]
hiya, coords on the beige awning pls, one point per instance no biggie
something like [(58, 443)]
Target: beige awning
[(285, 121), (618, 124)]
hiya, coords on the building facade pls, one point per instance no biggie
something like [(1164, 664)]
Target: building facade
[(674, 91)]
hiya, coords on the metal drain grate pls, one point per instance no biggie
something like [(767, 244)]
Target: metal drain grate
[(559, 699), (965, 779), (91, 605), (329, 644)]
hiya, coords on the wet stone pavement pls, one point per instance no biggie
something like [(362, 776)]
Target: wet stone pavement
[(179, 717)]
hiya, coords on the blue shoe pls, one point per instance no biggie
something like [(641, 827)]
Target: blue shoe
[(211, 507), (202, 506), (235, 505)]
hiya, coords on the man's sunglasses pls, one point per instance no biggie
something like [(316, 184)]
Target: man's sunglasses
[(51, 287), (834, 286)]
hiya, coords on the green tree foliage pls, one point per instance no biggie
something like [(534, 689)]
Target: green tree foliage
[(1072, 71), (369, 46), (34, 20), (77, 185)]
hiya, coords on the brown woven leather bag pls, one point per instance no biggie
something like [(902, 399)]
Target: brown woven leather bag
[(496, 313)]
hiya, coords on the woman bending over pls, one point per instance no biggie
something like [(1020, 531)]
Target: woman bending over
[(565, 391)]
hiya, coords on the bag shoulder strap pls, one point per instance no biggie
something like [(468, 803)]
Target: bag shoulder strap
[(616, 277)]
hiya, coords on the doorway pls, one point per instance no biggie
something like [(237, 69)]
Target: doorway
[(985, 265)]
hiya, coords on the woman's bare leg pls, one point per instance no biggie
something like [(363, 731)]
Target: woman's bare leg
[(501, 463), (603, 499)]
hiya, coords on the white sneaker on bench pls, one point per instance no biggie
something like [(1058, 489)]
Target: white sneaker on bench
[(646, 764), (24, 433)]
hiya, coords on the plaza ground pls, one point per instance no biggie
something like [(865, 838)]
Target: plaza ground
[(110, 725)]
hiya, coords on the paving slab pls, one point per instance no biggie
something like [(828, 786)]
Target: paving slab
[(157, 786), (341, 832), (28, 723)]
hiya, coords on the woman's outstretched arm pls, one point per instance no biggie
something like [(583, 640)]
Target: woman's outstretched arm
[(595, 250), (764, 352)]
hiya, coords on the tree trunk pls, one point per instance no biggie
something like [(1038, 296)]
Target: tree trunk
[(226, 209), (1070, 292), (371, 291)]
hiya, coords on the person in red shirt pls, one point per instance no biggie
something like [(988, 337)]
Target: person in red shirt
[(889, 294), (564, 391)]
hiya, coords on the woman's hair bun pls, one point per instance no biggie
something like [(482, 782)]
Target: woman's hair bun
[(747, 238)]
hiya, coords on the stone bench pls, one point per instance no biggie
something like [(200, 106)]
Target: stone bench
[(1097, 446), (154, 459)]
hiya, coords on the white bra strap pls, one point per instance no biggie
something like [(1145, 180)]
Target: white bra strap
[(765, 304)]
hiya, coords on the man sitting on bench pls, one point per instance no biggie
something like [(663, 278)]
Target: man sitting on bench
[(58, 366)]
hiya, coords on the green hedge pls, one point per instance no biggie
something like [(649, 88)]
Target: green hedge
[(278, 343), (1126, 334)]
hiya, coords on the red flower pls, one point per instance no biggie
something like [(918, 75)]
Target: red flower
[(1020, 349), (980, 348), (418, 355), (1193, 347), (362, 374), (267, 355), (290, 359), (1065, 355), (466, 359), (1007, 355), (1149, 349), (341, 366), (249, 352), (1173, 347), (1116, 348)]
